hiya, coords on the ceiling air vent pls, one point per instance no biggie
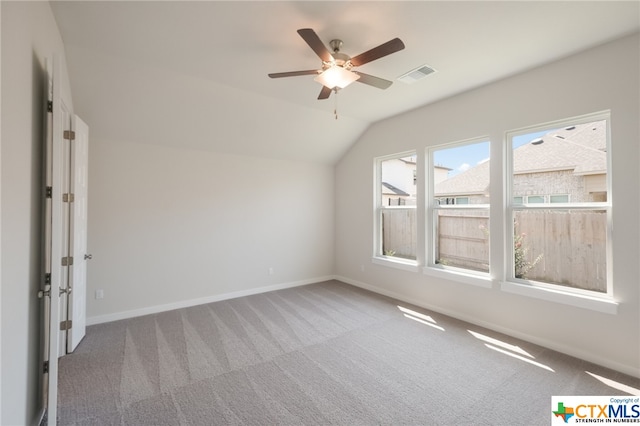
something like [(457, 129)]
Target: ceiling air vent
[(416, 74)]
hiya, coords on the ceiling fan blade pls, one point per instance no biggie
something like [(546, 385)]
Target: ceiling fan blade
[(292, 73), (324, 93), (384, 49), (374, 81), (316, 44)]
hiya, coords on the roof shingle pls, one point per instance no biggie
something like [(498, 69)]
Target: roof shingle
[(581, 149)]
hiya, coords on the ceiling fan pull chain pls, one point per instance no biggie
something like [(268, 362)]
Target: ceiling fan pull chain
[(335, 108)]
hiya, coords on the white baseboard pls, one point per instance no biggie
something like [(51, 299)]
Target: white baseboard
[(568, 350), (99, 319)]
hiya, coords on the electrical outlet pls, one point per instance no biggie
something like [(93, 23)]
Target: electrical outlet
[(99, 294), (271, 271)]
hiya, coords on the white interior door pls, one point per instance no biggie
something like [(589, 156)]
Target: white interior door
[(55, 240), (46, 285), (79, 174)]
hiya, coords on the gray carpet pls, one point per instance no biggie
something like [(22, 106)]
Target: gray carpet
[(321, 354)]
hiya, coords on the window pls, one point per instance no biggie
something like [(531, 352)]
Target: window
[(396, 235), (458, 213), (535, 199), (453, 200), (564, 245)]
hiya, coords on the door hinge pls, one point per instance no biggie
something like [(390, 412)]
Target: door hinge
[(68, 198), (65, 325), (45, 367), (69, 135), (49, 106), (48, 192), (47, 278), (67, 261)]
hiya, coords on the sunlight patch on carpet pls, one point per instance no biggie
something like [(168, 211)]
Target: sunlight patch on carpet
[(616, 385), (521, 358), (421, 318), (500, 343)]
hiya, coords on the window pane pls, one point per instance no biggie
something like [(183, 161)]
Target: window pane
[(462, 173), (461, 177), (564, 247), (517, 200), (398, 185), (399, 233), (396, 235), (559, 199), (571, 161), (534, 199), (463, 239)]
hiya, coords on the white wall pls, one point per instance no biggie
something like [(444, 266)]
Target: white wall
[(602, 78), (170, 227), (29, 35), (0, 220)]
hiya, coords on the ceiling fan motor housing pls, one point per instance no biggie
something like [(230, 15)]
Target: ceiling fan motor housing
[(340, 59)]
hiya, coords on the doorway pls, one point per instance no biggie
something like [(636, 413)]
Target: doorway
[(65, 240)]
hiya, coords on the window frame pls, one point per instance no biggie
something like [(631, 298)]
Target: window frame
[(378, 256), (550, 291), (501, 208), (432, 206)]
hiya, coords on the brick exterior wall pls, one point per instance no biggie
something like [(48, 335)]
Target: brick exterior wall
[(550, 183), (553, 183)]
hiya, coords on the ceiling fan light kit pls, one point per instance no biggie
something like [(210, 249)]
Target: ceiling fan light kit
[(336, 76), (336, 71)]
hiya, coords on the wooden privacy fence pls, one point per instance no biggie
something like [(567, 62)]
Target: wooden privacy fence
[(399, 233), (463, 240), (572, 243)]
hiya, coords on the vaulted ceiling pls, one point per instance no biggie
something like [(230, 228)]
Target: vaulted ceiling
[(194, 74)]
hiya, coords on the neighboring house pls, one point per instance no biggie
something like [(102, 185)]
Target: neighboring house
[(399, 181), (440, 173), (471, 186), (564, 165), (393, 196)]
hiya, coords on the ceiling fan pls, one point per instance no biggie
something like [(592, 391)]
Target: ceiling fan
[(337, 68)]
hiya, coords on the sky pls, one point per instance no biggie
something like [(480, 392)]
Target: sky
[(462, 158)]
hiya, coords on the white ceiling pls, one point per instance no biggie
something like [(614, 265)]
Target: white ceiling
[(194, 74)]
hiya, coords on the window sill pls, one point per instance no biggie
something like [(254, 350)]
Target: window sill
[(480, 280), (405, 265), (599, 304)]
